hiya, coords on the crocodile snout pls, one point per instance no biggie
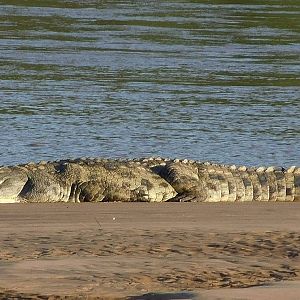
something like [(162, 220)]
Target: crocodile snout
[(12, 182)]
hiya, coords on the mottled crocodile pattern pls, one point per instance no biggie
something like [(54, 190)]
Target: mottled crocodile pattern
[(146, 179)]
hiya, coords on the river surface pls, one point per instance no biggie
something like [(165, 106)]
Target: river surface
[(208, 80)]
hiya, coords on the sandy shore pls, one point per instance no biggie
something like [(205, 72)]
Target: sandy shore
[(150, 251)]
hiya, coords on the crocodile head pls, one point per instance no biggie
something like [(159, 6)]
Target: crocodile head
[(12, 181)]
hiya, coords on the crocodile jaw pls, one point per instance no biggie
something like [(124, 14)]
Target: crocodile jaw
[(9, 200), (12, 181)]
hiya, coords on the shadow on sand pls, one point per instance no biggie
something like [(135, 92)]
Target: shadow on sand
[(165, 296)]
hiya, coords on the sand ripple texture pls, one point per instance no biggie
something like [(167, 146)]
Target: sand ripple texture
[(146, 260), (101, 261)]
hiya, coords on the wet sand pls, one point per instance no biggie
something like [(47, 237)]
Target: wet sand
[(150, 251)]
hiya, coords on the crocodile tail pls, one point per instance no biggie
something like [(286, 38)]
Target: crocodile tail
[(215, 183)]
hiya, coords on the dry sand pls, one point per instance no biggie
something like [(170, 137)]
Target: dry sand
[(150, 251)]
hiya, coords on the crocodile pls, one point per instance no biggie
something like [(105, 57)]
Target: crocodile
[(146, 179)]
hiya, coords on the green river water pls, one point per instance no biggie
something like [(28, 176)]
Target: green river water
[(207, 80)]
